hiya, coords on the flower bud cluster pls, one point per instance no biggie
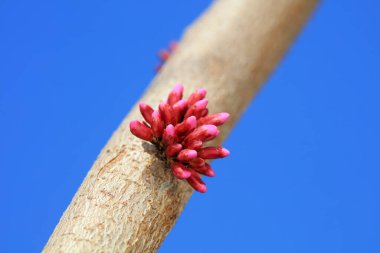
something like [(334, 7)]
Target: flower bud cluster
[(179, 128)]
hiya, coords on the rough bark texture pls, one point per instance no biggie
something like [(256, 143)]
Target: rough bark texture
[(129, 200)]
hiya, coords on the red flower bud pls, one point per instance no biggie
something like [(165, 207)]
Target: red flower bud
[(163, 54), (204, 113), (196, 182), (196, 96), (180, 171), (197, 162), (167, 114), (203, 133), (146, 112), (176, 94), (168, 135), (193, 144), (140, 130), (173, 149), (197, 108), (186, 126), (186, 155), (205, 170), (214, 119), (179, 110), (213, 152), (157, 124)]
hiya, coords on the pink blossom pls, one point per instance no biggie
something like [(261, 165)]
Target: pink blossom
[(179, 129)]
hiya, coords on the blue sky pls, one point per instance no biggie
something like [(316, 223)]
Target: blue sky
[(305, 178)]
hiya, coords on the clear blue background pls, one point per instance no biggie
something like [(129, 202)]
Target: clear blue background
[(304, 171)]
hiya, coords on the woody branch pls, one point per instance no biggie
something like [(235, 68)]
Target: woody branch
[(129, 200)]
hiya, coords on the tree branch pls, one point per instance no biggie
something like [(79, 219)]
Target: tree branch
[(129, 200)]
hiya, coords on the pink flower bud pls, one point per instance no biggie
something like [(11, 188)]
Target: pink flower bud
[(211, 137), (157, 124), (202, 133), (197, 162), (196, 96), (197, 108), (186, 126), (173, 45), (173, 149), (180, 171), (193, 144), (204, 113), (140, 130), (214, 119), (196, 182), (205, 170), (176, 94), (163, 54), (146, 112), (186, 155), (213, 152), (167, 114), (168, 135), (179, 109)]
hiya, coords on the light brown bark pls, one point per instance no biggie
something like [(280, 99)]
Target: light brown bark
[(129, 200)]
